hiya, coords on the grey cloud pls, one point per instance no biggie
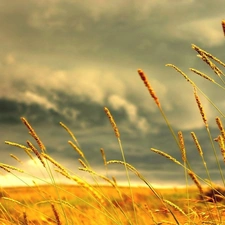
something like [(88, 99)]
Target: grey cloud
[(64, 61)]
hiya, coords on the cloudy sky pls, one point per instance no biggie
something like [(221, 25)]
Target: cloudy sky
[(66, 60)]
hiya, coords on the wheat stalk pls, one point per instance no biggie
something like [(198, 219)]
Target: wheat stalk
[(56, 214), (175, 206), (112, 121), (25, 218), (69, 131), (125, 164), (114, 180), (202, 74), (5, 166), (222, 146), (103, 155), (16, 158), (223, 26), (76, 148), (33, 134), (82, 163), (17, 145), (220, 126), (182, 146), (83, 184), (205, 57), (54, 162), (165, 155), (182, 73), (99, 175), (149, 87), (197, 143), (200, 108), (216, 70), (196, 181), (36, 152)]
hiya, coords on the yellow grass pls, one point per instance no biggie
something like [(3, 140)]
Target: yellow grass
[(80, 207)]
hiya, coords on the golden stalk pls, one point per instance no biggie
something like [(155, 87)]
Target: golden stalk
[(220, 126), (16, 158), (56, 214), (82, 163), (200, 108), (76, 149), (196, 181), (197, 143), (112, 121), (50, 159), (182, 146), (201, 74), (165, 155), (36, 152), (25, 220), (222, 146), (33, 134), (175, 206), (69, 131), (223, 26), (6, 167), (201, 51), (148, 85), (103, 155), (182, 73), (17, 145)]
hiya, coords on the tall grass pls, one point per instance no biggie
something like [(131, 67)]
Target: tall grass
[(93, 203)]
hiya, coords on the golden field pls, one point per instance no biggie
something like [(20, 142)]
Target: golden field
[(33, 205)]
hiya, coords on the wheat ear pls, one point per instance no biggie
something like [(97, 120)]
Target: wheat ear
[(99, 175), (56, 214), (196, 181), (83, 184), (149, 87), (223, 26), (36, 152), (182, 73), (82, 163), (175, 206), (197, 143), (8, 167), (25, 220), (202, 74), (76, 149), (182, 146), (202, 112), (166, 155), (50, 159), (69, 131), (16, 158), (112, 121), (33, 134), (200, 51), (103, 155), (125, 164), (222, 146), (220, 126), (17, 145)]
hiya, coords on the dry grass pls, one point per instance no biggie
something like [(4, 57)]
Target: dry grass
[(75, 199)]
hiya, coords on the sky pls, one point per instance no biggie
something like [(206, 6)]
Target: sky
[(64, 61)]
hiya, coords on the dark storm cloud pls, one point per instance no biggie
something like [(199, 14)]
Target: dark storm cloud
[(66, 60)]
